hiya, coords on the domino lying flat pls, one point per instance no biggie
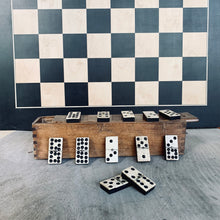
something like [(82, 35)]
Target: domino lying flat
[(151, 116), (73, 117), (103, 116), (142, 148), (82, 150), (138, 180), (171, 147), (111, 149), (128, 116), (114, 184), (55, 150), (170, 114)]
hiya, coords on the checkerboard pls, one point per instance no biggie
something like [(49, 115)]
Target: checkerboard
[(70, 53)]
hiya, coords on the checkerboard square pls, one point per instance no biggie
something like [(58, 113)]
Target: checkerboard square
[(98, 3), (195, 44), (147, 45), (194, 68), (171, 45), (50, 4), (99, 70), (170, 93), (194, 19), (50, 21), (146, 93), (171, 3), (74, 4), (98, 20), (28, 94), (122, 3), (75, 70), (123, 69), (25, 21), (147, 4), (123, 45), (146, 20), (26, 46), (99, 45), (76, 94), (51, 45), (122, 20), (75, 45), (195, 3), (194, 93), (74, 21), (52, 94), (170, 68), (170, 20), (146, 69), (123, 93), (27, 71), (51, 70), (24, 4), (100, 94)]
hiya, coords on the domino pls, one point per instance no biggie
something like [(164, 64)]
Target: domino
[(111, 149), (73, 117), (55, 150), (114, 184), (142, 148), (138, 180), (171, 115), (128, 116), (171, 147), (103, 116), (151, 116), (82, 150)]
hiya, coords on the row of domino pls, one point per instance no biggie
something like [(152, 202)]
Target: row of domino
[(55, 149)]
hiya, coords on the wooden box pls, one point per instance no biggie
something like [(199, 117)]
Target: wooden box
[(56, 126)]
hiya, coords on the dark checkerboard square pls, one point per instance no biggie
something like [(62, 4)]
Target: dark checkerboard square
[(194, 20), (171, 3), (171, 44), (50, 21), (123, 93), (147, 20), (26, 46), (98, 20), (75, 45), (170, 93), (28, 94), (146, 69), (122, 3), (24, 4), (99, 70), (51, 70), (194, 68), (123, 45), (76, 94), (74, 4)]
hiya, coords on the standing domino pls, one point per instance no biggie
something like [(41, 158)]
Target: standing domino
[(142, 148), (128, 116), (73, 117), (103, 116), (114, 184), (82, 150), (111, 149), (138, 180), (55, 150), (170, 114), (171, 147), (151, 116)]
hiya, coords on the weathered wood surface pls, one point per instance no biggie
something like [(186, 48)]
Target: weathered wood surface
[(55, 126)]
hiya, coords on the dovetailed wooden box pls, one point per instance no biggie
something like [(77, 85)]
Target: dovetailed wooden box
[(56, 126)]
